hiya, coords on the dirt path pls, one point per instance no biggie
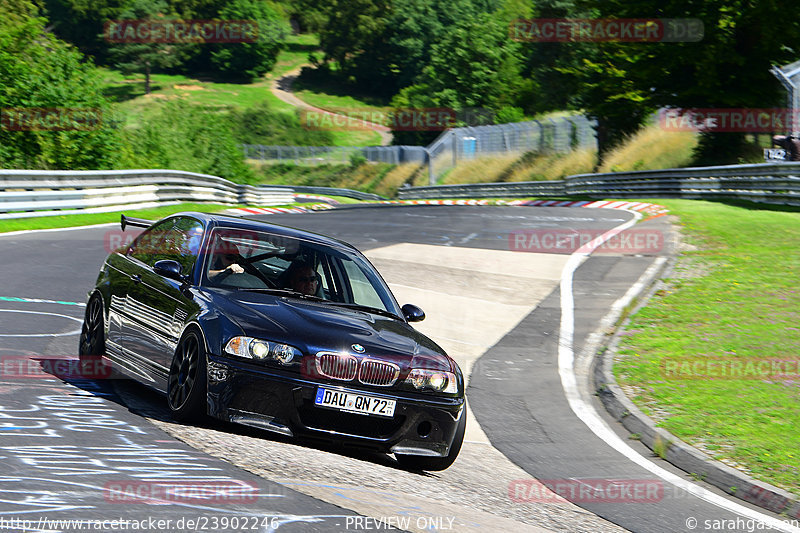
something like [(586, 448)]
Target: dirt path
[(282, 89)]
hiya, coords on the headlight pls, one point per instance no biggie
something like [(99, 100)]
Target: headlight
[(260, 350), (436, 380)]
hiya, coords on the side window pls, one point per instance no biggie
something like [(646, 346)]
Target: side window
[(178, 239), (185, 246), (181, 244), (149, 242), (363, 291)]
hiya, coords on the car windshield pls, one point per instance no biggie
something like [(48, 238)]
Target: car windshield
[(261, 261)]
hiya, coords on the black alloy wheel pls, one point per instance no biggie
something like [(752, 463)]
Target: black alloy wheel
[(92, 343), (186, 388)]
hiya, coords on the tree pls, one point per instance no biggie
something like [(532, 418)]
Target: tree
[(41, 75), (729, 68), (187, 137), (80, 22), (250, 60), (473, 70), (353, 28), (383, 45), (144, 57)]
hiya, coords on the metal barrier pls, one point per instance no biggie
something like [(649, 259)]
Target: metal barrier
[(33, 193), (766, 182), (29, 193), (548, 135), (319, 155)]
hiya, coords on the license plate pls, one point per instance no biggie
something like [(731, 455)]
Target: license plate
[(355, 403)]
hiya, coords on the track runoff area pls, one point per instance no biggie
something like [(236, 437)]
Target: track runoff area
[(516, 295)]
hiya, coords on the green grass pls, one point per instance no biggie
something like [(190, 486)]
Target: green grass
[(295, 55), (735, 297), (67, 221), (324, 89), (135, 107), (650, 148), (378, 178)]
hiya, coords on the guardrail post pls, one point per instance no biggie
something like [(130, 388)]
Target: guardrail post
[(455, 147), (431, 176)]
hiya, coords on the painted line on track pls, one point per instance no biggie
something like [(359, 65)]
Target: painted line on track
[(586, 412), (38, 301), (65, 334), (49, 230)]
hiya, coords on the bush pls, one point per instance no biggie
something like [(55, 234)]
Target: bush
[(262, 125), (187, 137), (251, 60), (37, 71)]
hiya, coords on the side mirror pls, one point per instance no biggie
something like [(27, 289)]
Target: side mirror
[(169, 269), (413, 313)]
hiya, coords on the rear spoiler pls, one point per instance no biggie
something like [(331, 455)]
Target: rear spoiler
[(136, 222)]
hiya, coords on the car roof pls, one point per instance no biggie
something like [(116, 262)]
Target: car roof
[(212, 220)]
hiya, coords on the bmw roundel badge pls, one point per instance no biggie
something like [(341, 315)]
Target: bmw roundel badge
[(357, 348)]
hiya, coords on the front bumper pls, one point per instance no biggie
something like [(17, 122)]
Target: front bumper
[(283, 402)]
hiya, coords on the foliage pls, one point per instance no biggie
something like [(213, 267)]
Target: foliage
[(353, 29), (250, 60), (474, 66), (81, 22), (728, 68), (260, 124), (38, 72), (307, 15), (652, 148), (143, 57), (190, 138)]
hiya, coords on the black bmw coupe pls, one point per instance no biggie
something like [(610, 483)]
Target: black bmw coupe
[(277, 328)]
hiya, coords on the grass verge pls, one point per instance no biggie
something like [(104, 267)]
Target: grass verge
[(68, 221), (692, 358), (650, 148)]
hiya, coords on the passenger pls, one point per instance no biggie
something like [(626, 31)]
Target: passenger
[(302, 277)]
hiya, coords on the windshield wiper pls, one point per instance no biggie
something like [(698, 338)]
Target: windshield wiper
[(367, 308), (285, 292)]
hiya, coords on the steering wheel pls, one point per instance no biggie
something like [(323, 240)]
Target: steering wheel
[(250, 269)]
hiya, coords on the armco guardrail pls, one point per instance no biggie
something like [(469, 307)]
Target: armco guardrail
[(28, 193), (334, 191), (521, 189), (766, 182)]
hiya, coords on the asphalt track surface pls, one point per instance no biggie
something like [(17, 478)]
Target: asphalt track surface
[(66, 443)]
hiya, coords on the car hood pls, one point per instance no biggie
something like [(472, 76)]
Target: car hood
[(319, 326)]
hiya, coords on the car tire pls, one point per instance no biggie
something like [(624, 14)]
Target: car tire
[(92, 343), (186, 386), (422, 462)]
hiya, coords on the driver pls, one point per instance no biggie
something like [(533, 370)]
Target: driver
[(224, 260)]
